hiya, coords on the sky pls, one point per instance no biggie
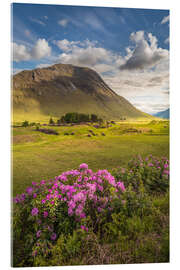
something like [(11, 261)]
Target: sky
[(128, 47)]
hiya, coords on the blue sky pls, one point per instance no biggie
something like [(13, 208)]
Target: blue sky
[(129, 48)]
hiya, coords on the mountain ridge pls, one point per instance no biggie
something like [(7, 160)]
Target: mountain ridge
[(163, 114), (63, 88)]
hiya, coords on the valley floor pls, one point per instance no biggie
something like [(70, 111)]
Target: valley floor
[(37, 156)]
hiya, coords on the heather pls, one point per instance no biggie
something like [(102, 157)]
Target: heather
[(94, 217)]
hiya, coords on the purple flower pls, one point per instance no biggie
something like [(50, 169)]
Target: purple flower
[(34, 195), (121, 186), (45, 214), (53, 236), (72, 204), (34, 183), (29, 190), (16, 199), (38, 233), (150, 165), (99, 209), (62, 177), (82, 215), (70, 211), (48, 196), (43, 182), (43, 201), (34, 211), (83, 166), (84, 228), (100, 188), (23, 196)]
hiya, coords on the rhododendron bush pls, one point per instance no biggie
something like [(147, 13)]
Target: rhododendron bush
[(79, 203), (71, 201)]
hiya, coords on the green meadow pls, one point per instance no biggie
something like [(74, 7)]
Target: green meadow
[(37, 156)]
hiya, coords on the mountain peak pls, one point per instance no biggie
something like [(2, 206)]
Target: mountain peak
[(61, 88)]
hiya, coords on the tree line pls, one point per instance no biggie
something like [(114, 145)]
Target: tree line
[(75, 117)]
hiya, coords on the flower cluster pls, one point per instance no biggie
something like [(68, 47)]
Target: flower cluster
[(153, 172), (81, 193)]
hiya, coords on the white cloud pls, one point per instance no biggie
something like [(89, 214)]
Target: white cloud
[(40, 50), (87, 53), (89, 56), (166, 40), (94, 22), (37, 21), (144, 87), (135, 85), (165, 19), (66, 45), (43, 65), (63, 22), (20, 53), (146, 53)]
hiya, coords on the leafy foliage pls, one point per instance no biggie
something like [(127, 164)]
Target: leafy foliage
[(75, 117), (86, 217)]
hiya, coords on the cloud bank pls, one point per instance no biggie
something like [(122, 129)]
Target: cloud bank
[(40, 50), (146, 53), (141, 75)]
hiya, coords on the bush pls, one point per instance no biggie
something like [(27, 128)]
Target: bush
[(75, 200), (51, 121), (152, 172), (86, 217), (25, 124)]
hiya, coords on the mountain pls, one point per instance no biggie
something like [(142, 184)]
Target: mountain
[(62, 88), (164, 114)]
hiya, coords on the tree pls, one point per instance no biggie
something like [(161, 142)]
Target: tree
[(94, 118), (51, 121), (25, 124), (58, 121)]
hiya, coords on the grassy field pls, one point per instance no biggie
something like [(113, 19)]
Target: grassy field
[(37, 156)]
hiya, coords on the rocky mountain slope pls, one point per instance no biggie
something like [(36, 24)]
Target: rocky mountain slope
[(61, 88)]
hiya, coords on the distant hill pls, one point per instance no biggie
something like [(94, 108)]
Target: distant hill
[(164, 114), (61, 88)]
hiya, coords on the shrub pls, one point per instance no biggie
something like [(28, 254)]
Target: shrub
[(75, 200), (152, 172), (86, 217), (25, 124), (51, 121)]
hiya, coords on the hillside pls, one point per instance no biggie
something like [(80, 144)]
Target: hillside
[(61, 88), (163, 114)]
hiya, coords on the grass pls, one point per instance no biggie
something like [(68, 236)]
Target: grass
[(37, 156)]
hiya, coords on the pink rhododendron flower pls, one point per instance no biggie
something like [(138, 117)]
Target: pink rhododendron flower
[(83, 166), (29, 190), (53, 236), (34, 211), (45, 214), (38, 233)]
